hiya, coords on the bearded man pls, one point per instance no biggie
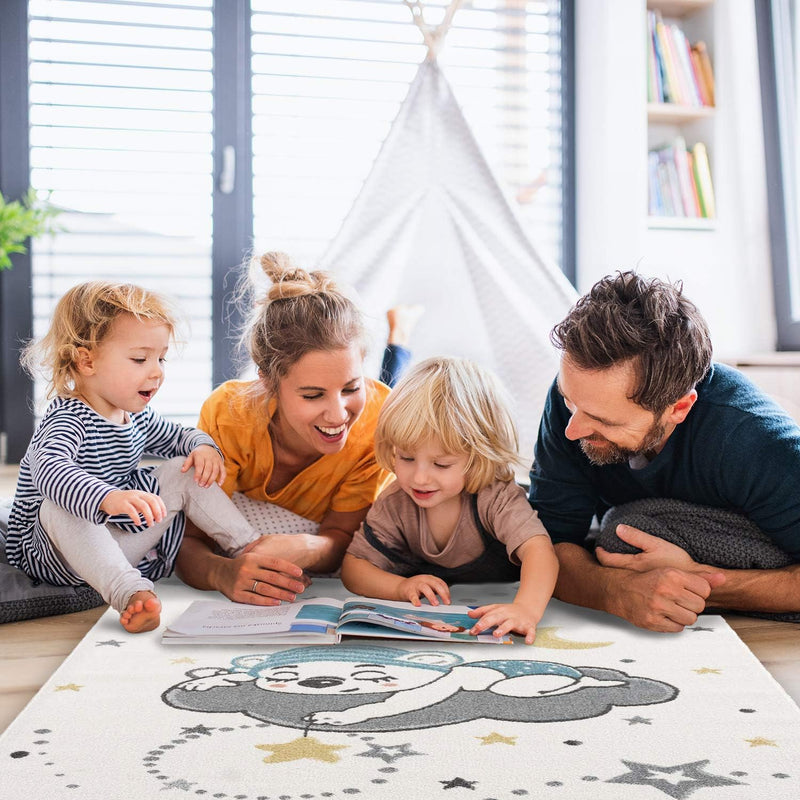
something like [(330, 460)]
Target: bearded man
[(639, 412)]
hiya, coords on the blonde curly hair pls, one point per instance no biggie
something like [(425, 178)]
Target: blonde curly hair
[(83, 318)]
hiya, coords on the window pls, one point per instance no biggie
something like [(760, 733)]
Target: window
[(131, 113), (778, 42), (329, 78), (121, 138)]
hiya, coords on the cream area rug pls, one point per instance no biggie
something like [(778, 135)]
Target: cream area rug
[(595, 709)]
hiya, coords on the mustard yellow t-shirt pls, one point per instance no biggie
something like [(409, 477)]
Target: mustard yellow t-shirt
[(349, 480)]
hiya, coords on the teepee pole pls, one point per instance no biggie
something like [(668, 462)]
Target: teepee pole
[(433, 35)]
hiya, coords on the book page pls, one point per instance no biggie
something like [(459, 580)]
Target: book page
[(429, 622), (222, 617)]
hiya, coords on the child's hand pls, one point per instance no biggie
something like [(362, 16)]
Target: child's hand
[(507, 617), (208, 465), (136, 505), (428, 586)]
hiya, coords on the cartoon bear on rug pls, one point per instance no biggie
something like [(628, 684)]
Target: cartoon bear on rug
[(369, 688)]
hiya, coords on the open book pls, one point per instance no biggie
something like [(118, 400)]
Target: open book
[(321, 621)]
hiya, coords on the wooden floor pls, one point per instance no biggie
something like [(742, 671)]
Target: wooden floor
[(31, 651)]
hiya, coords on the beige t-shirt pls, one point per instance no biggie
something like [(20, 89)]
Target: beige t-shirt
[(400, 524)]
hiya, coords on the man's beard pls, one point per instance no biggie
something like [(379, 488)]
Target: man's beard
[(611, 453)]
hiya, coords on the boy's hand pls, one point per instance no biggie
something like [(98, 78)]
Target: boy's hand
[(428, 586), (507, 617), (136, 505), (208, 464)]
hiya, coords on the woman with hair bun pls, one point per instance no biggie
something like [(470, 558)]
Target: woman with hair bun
[(299, 436)]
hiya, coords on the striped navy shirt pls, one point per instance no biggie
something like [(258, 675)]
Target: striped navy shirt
[(75, 458)]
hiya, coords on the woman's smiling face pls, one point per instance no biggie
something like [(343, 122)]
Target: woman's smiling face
[(319, 400)]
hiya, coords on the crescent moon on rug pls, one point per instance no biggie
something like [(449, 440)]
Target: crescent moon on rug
[(547, 638)]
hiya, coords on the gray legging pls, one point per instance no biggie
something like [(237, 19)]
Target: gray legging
[(105, 556)]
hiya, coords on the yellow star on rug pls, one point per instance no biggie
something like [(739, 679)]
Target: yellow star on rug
[(707, 671), (184, 660), (549, 639), (69, 687), (304, 747), (497, 738), (760, 741)]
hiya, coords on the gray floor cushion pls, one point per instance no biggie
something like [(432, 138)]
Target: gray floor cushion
[(23, 598)]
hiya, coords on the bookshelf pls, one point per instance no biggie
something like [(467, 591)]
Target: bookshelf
[(680, 114)]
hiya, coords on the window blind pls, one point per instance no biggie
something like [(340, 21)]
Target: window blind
[(329, 77), (121, 134), (121, 140)]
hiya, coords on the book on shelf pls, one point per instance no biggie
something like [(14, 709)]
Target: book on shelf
[(655, 90), (706, 72), (686, 75), (679, 181), (705, 187), (695, 193), (678, 71), (656, 202), (670, 87), (685, 178), (321, 620)]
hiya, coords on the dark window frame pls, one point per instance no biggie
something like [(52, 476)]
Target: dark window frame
[(782, 186), (16, 303)]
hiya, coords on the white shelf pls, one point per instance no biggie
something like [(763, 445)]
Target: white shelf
[(672, 113), (678, 8), (682, 223)]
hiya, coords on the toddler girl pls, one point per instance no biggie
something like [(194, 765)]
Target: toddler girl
[(454, 512), (84, 510)]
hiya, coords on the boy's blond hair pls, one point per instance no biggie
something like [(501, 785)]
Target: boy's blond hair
[(461, 405), (82, 318)]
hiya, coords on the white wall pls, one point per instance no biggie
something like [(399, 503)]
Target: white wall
[(726, 271)]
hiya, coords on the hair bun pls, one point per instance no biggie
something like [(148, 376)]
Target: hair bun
[(277, 266), (289, 280)]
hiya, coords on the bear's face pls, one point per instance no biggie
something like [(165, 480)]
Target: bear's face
[(347, 671), (333, 677)]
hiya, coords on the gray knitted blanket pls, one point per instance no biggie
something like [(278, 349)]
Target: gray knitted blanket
[(711, 536)]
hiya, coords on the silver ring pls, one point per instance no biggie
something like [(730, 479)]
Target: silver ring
[(255, 584)]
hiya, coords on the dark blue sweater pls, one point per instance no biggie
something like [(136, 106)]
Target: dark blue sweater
[(736, 450)]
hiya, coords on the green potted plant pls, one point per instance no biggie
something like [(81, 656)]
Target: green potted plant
[(21, 220)]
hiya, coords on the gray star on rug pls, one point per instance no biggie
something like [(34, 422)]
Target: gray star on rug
[(638, 720), (110, 643), (178, 784), (458, 783), (199, 729), (382, 751), (677, 781)]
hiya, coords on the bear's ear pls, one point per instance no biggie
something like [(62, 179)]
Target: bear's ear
[(248, 662), (435, 658)]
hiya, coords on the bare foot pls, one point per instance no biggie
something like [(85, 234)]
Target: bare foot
[(142, 614), (402, 320)]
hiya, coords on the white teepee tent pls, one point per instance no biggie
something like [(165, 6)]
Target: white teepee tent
[(432, 225)]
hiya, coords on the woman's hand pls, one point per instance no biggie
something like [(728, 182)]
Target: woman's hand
[(428, 586), (507, 617), (257, 578), (251, 577)]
